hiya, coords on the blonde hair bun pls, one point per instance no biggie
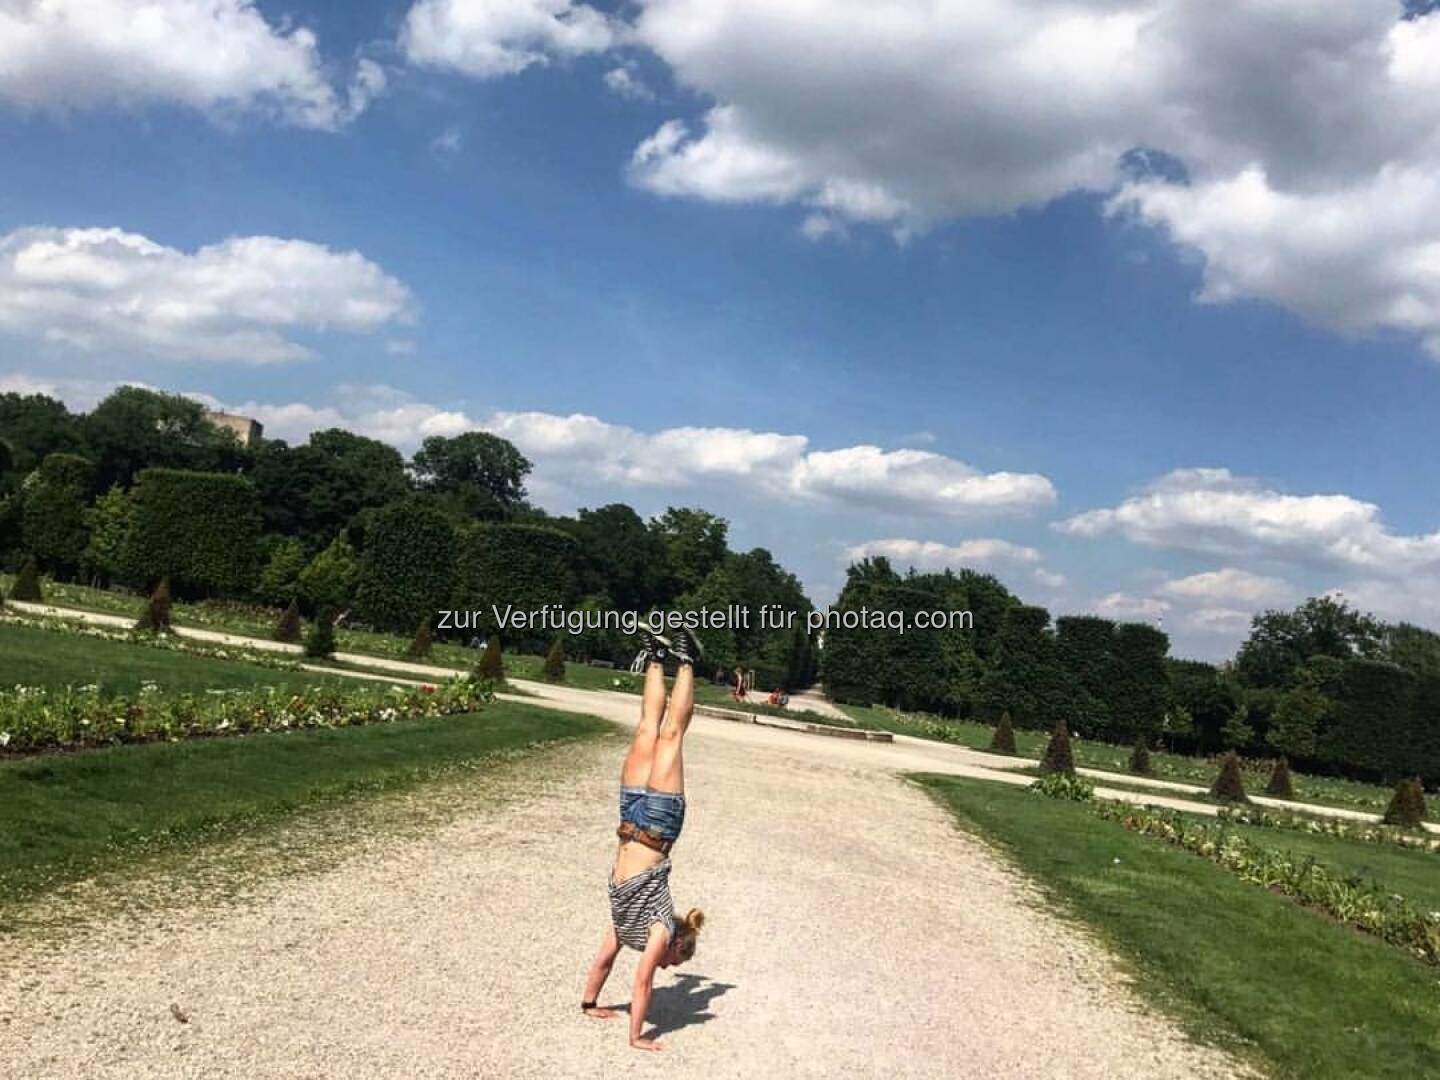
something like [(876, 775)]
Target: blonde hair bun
[(694, 918)]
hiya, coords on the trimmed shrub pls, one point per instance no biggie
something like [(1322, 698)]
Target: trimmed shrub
[(1407, 805), (405, 572), (554, 670), (155, 619), (280, 579), (201, 530), (1003, 741), (528, 567), (53, 510), (288, 629), (491, 664), (1059, 758), (1229, 786), (27, 584), (329, 580), (320, 641), (1140, 758), (421, 642), (1281, 785)]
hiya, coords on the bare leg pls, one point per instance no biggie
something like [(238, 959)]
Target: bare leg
[(639, 759), (667, 771)]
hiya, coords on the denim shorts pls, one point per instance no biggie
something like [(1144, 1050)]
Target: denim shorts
[(658, 812)]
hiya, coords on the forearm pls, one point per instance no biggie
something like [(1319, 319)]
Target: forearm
[(639, 1004), (599, 972)]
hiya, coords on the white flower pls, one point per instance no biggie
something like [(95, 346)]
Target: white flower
[(4, 738)]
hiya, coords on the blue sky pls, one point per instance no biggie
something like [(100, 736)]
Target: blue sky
[(909, 299)]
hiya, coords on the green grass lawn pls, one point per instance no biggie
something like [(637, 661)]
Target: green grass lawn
[(63, 816), (30, 656), (1237, 965), (1321, 790)]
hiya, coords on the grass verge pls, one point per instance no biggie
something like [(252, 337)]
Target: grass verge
[(1239, 967), (63, 817)]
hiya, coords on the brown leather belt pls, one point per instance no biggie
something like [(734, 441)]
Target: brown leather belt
[(629, 831)]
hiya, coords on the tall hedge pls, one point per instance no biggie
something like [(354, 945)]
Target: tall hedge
[(1083, 645), (201, 530), (1373, 725), (1138, 685), (1025, 675), (527, 567), (407, 567), (53, 519)]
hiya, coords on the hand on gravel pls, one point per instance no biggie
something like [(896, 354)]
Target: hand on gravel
[(601, 1014), (646, 1044)]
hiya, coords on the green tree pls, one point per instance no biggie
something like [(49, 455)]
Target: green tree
[(1373, 728), (1208, 697), (407, 566), (481, 475), (518, 567), (620, 557), (1281, 785), (34, 426), (1058, 756), (1281, 641), (1299, 716), (53, 511), (135, 429), (329, 580), (201, 530), (1237, 732), (1003, 740), (109, 521), (315, 491), (1407, 805), (1083, 645), (279, 582), (695, 544), (1140, 758), (422, 642), (491, 665), (1025, 675), (1229, 785), (1138, 684)]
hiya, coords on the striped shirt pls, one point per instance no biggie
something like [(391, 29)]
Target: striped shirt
[(638, 902)]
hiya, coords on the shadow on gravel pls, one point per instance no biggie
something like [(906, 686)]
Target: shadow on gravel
[(684, 1003)]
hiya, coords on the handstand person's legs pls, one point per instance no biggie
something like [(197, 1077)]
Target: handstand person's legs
[(667, 771), (638, 761)]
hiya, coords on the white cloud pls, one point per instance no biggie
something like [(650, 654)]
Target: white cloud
[(626, 81), (1049, 579), (1126, 607), (927, 555), (213, 55), (490, 38), (901, 481), (381, 412), (1309, 133), (1213, 512), (1231, 584), (239, 300)]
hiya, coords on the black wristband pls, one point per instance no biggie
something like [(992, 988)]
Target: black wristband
[(586, 1006)]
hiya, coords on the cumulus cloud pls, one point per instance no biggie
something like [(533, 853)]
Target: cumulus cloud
[(626, 81), (901, 481), (212, 55), (1214, 512), (1233, 585), (1307, 135), (491, 38), (238, 300), (1126, 607), (930, 555)]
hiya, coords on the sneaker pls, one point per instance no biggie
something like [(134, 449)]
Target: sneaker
[(686, 647), (653, 648)]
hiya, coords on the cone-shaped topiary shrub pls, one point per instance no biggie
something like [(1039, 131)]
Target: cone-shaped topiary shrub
[(1407, 805), (155, 619), (288, 628), (1140, 758), (1229, 786), (421, 642), (491, 664), (1058, 756), (320, 641), (27, 584), (1280, 785), (554, 670), (1003, 741)]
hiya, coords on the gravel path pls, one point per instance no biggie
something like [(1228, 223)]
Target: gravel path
[(853, 932)]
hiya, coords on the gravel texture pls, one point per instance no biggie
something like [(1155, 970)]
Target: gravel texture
[(853, 931)]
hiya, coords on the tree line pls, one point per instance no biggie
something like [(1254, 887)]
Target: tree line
[(144, 487)]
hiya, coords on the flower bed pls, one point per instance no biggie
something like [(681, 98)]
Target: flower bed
[(1344, 830), (34, 719), (1361, 904)]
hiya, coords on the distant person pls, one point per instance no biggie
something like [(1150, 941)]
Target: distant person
[(652, 812), (738, 691)]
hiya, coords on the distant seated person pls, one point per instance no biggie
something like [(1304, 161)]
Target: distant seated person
[(779, 697)]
